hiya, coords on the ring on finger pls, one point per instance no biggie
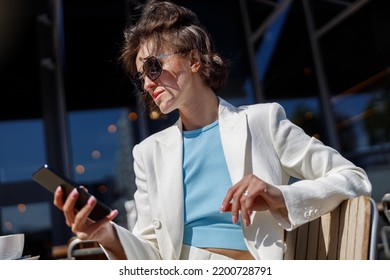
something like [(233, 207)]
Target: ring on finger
[(246, 193)]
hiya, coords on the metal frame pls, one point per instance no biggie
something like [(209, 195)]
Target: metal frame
[(50, 40), (372, 254), (314, 35), (385, 231), (74, 251)]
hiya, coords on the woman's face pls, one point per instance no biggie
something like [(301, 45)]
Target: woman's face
[(170, 89)]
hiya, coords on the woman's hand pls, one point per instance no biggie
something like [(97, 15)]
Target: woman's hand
[(78, 221), (252, 194)]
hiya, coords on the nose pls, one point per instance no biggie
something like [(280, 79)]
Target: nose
[(149, 84)]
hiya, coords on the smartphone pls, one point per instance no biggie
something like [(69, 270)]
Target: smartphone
[(51, 179)]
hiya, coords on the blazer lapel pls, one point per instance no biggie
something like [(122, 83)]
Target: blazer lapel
[(234, 137), (168, 166)]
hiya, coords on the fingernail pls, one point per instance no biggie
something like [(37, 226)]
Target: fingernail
[(221, 209), (74, 193), (234, 220), (113, 213), (91, 200)]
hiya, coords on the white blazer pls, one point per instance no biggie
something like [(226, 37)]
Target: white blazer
[(256, 139)]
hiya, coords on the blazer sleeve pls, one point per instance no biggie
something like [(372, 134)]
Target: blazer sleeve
[(325, 177), (140, 244)]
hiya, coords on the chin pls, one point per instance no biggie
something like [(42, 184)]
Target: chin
[(166, 107), (166, 111)]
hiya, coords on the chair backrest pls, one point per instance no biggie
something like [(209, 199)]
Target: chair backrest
[(346, 233)]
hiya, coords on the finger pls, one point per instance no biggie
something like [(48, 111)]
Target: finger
[(68, 207), (88, 232), (84, 188), (229, 198), (246, 206), (113, 214), (82, 215), (58, 200), (227, 208), (226, 205), (237, 203)]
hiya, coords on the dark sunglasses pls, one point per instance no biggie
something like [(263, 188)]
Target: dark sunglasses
[(152, 68)]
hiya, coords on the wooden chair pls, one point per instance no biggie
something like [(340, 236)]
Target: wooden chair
[(348, 232)]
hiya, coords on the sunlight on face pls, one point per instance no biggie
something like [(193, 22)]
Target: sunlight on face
[(171, 86)]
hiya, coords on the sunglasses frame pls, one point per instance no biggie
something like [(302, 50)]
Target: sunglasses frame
[(139, 78)]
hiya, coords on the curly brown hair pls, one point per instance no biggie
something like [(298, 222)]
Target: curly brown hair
[(177, 28)]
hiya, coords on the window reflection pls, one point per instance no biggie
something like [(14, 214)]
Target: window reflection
[(102, 143), (363, 119), (305, 112), (17, 218), (22, 149), (352, 114)]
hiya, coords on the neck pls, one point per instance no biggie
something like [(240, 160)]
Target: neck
[(201, 111)]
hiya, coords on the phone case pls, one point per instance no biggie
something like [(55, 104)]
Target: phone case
[(51, 179)]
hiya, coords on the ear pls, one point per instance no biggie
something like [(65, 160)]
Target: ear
[(195, 61)]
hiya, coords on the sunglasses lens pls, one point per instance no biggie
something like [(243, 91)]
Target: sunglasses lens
[(152, 68)]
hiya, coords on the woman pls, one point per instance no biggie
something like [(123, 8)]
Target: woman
[(215, 184)]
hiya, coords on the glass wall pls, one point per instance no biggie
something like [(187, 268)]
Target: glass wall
[(363, 125), (101, 147), (22, 149), (24, 206), (101, 143), (329, 68)]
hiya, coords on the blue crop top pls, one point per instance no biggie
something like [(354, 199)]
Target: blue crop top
[(206, 181)]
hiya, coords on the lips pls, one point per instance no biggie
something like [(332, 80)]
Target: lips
[(156, 94)]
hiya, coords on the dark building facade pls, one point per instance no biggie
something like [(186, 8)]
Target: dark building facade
[(67, 103)]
